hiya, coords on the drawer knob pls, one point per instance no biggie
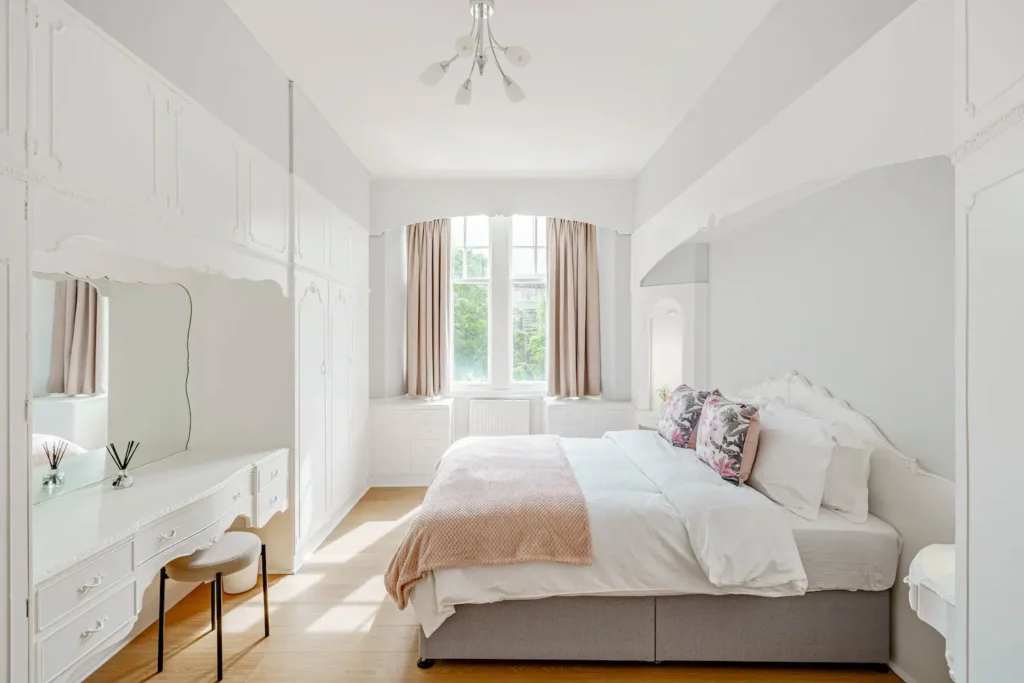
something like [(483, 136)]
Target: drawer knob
[(97, 581), (169, 536), (273, 475), (100, 624), (238, 494), (273, 501)]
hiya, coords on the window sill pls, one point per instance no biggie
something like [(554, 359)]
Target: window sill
[(530, 392)]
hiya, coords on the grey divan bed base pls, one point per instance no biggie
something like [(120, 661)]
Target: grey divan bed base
[(833, 627)]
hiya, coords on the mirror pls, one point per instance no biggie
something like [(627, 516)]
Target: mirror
[(666, 354), (110, 364)]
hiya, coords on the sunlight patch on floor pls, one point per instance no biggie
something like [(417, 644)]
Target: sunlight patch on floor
[(347, 618)]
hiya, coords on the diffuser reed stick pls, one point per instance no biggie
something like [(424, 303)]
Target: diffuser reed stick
[(123, 480), (55, 453)]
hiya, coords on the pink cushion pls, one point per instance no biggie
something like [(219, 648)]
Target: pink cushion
[(727, 438), (679, 419)]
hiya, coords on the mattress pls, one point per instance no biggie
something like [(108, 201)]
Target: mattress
[(842, 555)]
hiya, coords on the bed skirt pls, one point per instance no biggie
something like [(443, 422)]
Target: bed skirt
[(834, 627)]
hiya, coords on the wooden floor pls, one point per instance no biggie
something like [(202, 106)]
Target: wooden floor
[(333, 623)]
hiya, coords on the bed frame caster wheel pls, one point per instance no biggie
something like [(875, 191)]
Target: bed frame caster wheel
[(880, 668), (425, 663)]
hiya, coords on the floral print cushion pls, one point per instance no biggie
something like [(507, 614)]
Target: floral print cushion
[(678, 424), (727, 438)]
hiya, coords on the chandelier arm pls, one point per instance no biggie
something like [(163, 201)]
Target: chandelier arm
[(497, 61)]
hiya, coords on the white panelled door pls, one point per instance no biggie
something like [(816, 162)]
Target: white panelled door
[(341, 460), (312, 300)]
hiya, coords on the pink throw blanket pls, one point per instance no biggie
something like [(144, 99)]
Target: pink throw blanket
[(495, 501)]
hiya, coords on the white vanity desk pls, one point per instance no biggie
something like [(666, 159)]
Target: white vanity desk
[(96, 549)]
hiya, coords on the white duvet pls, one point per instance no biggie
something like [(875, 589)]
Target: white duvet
[(662, 523)]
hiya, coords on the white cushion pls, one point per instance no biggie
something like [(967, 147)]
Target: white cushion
[(793, 454), (846, 482)]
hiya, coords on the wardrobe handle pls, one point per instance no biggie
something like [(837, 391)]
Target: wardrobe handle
[(167, 537), (323, 368), (96, 583), (100, 624)]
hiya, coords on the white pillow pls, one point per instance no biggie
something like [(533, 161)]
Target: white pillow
[(793, 455), (846, 482)]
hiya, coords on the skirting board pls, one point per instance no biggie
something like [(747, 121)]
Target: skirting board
[(378, 481), (310, 546)]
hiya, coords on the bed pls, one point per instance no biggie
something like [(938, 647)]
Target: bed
[(645, 599)]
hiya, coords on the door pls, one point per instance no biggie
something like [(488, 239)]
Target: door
[(311, 502), (15, 564), (342, 462)]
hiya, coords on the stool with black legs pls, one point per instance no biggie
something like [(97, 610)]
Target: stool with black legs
[(232, 553)]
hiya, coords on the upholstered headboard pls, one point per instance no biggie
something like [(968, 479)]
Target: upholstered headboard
[(919, 504)]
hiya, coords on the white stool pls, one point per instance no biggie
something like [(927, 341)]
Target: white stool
[(234, 552)]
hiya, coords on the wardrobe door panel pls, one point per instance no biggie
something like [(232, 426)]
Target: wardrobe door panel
[(94, 112), (208, 175), (13, 92), (312, 221), (995, 371), (342, 471), (312, 467)]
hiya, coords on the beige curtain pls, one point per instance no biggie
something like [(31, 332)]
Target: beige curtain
[(428, 256), (78, 355), (574, 330)]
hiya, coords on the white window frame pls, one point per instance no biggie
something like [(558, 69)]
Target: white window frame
[(499, 323)]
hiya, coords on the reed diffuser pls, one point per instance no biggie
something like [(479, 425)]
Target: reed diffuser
[(123, 480), (54, 455)]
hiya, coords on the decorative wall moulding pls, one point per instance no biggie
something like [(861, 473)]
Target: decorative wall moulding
[(988, 134)]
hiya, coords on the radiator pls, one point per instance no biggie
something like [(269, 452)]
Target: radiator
[(498, 417)]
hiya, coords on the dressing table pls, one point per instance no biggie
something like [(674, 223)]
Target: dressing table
[(95, 550)]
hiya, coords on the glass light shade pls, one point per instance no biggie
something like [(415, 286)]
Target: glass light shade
[(465, 46), (433, 74), (517, 56), (465, 94), (513, 91)]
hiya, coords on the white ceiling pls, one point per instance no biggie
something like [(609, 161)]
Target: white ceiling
[(610, 79)]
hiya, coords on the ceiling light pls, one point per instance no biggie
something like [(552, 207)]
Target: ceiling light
[(479, 46)]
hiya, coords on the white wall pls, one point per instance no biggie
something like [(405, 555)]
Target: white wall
[(324, 161), (603, 202), (43, 292), (685, 264), (796, 45), (853, 288), (885, 104), (204, 49)]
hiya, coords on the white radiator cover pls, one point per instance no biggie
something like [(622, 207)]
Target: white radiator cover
[(499, 417)]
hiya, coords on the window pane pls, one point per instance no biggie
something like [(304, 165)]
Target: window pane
[(522, 231), (458, 259), (522, 261), (476, 263), (542, 262), (469, 322), (529, 332), (478, 231), (542, 231), (458, 231)]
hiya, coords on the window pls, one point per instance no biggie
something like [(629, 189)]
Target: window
[(499, 302)]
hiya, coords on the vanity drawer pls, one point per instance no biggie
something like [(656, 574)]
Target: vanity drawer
[(81, 636), (82, 585), (271, 500), (166, 532), (272, 471)]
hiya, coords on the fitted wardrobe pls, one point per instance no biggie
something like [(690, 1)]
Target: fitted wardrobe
[(110, 171), (989, 158)]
